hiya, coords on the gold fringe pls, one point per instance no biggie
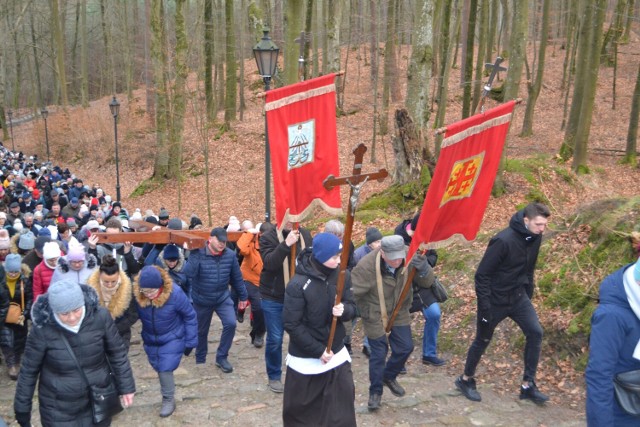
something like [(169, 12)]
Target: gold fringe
[(291, 99), (506, 118)]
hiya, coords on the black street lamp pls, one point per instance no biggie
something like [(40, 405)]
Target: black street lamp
[(45, 113), (266, 53), (114, 106), (13, 144)]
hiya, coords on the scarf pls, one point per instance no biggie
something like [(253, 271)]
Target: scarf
[(73, 329), (11, 284), (108, 293), (632, 289)]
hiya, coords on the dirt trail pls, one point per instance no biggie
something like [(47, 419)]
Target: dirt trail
[(207, 397)]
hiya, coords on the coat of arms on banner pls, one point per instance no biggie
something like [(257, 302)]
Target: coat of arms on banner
[(464, 175), (302, 143)]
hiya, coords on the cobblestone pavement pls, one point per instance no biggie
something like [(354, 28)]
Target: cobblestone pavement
[(208, 397)]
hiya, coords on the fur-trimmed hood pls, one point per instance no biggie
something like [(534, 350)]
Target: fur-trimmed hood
[(90, 262), (179, 266), (121, 299), (42, 314), (13, 243), (167, 288)]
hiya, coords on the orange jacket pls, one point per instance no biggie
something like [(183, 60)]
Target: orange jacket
[(248, 246)]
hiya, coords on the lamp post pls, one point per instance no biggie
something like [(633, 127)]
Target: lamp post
[(114, 106), (45, 113), (266, 54), (13, 144)]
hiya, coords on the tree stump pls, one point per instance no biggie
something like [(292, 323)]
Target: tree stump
[(407, 149)]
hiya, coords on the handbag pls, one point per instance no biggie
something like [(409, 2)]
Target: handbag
[(627, 390), (105, 401), (439, 290), (14, 315)]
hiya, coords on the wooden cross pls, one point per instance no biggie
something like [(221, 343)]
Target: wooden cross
[(355, 182), (144, 233)]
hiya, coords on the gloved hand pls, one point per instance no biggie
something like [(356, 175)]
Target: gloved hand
[(188, 350), (24, 419), (420, 263)]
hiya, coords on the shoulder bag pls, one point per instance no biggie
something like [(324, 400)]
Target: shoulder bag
[(14, 315), (439, 291), (105, 401), (627, 390)]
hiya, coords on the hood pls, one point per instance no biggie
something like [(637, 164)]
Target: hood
[(517, 224), (121, 299), (308, 266), (42, 315), (179, 266), (612, 289), (90, 262), (167, 288)]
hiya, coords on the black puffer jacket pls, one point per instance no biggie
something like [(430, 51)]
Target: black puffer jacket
[(505, 273), (5, 296), (274, 253), (63, 393), (308, 304)]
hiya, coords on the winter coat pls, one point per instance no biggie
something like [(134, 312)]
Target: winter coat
[(5, 298), (121, 307), (169, 325), (63, 394), (275, 255), (177, 273), (365, 292), (210, 276), (615, 332), (505, 272), (361, 252), (308, 302), (126, 261), (42, 275), (64, 272), (32, 259), (249, 248), (401, 230)]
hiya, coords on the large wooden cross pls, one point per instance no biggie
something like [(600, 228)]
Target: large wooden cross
[(355, 183), (144, 233)]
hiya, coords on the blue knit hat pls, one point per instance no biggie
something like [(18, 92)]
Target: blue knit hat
[(150, 277), (65, 296), (325, 245), (171, 252), (12, 263)]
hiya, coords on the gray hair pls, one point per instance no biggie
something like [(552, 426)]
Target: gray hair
[(334, 227)]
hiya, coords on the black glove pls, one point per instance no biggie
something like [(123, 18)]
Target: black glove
[(188, 350), (420, 263), (24, 419)]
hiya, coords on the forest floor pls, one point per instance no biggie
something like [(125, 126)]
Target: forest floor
[(82, 139)]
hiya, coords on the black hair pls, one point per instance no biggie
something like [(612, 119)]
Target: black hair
[(109, 265), (533, 210)]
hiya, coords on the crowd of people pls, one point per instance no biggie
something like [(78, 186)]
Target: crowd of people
[(64, 294)]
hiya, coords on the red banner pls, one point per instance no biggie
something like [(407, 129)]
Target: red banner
[(301, 121), (463, 178)]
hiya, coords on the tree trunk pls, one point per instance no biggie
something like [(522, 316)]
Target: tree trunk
[(208, 60), (232, 79), (150, 92), (468, 59), (389, 66), (534, 87), (483, 29), (627, 27), (56, 29), (308, 30), (333, 45), (293, 25), (419, 73), (632, 134), (178, 101), (36, 63), (407, 149), (84, 59), (159, 55)]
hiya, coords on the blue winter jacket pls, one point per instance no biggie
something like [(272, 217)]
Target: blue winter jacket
[(615, 331), (210, 276), (169, 325)]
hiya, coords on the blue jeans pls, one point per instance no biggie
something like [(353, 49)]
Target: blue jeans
[(227, 316), (380, 368), (431, 327), (273, 349)]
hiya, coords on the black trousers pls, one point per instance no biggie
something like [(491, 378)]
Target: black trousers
[(326, 399), (525, 316)]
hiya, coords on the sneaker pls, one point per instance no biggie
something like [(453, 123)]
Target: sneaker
[(276, 386), (258, 342), (366, 351), (395, 388), (532, 393), (468, 388), (432, 360), (168, 406), (374, 401), (240, 316), (224, 366), (13, 373), (403, 371)]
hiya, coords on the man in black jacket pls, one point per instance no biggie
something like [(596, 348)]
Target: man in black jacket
[(504, 288), (275, 250)]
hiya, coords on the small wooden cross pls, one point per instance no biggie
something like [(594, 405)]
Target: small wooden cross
[(355, 182)]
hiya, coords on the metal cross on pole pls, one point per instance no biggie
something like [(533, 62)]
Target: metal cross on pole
[(355, 183), (495, 68), (305, 38)]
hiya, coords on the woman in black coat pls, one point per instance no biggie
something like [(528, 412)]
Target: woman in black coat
[(71, 310)]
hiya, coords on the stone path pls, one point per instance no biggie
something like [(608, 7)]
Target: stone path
[(207, 397)]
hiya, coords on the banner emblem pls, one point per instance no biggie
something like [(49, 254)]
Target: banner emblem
[(463, 178), (302, 142)]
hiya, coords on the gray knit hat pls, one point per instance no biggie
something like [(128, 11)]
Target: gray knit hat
[(65, 296), (27, 241)]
